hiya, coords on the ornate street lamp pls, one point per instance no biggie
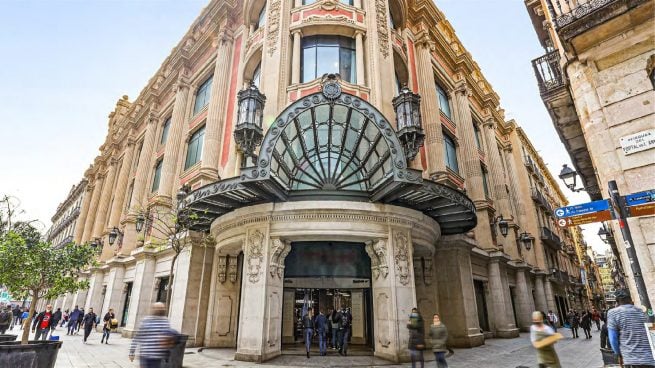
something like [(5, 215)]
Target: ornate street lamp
[(248, 132), (140, 220), (113, 235), (526, 239), (604, 235), (569, 177), (97, 243), (502, 224), (408, 121)]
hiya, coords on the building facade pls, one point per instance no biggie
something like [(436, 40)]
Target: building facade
[(597, 82), (319, 195), (65, 219)]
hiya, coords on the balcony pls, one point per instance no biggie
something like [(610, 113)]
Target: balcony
[(541, 200), (529, 164), (550, 238), (559, 276), (549, 72)]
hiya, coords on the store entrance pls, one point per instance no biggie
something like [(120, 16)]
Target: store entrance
[(322, 277)]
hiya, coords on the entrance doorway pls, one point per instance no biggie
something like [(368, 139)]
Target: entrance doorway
[(324, 276)]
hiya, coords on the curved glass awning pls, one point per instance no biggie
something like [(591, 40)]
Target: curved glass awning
[(333, 146)]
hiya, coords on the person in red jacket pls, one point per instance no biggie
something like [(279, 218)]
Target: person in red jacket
[(42, 323)]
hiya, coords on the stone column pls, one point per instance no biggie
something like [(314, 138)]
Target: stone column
[(114, 292), (121, 185), (524, 294), (94, 295), (260, 322), (140, 301), (224, 303), (472, 170), (540, 292), (84, 212), (457, 303), (143, 166), (295, 57), (169, 166), (359, 54), (502, 315), (550, 297), (216, 109), (434, 143), (93, 207), (103, 204)]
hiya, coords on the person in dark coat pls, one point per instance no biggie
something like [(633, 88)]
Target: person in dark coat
[(416, 338), (17, 314), (41, 324), (108, 325), (438, 339), (56, 317), (72, 320), (335, 320), (89, 322), (345, 326), (321, 327), (574, 321), (585, 323), (79, 320)]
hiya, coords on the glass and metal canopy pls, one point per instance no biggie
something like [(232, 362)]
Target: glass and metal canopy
[(331, 145)]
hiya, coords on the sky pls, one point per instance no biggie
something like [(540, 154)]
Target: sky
[(65, 63)]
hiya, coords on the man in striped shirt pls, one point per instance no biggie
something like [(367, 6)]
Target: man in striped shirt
[(154, 338), (627, 333)]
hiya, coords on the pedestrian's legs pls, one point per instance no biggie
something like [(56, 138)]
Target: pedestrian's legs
[(87, 332), (322, 344), (441, 360), (598, 325), (308, 340), (41, 333), (413, 357), (150, 363), (37, 334), (3, 329), (345, 334), (335, 334), (70, 327), (574, 332)]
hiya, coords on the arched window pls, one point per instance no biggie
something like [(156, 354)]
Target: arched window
[(328, 54), (444, 103), (450, 153), (256, 75), (261, 19)]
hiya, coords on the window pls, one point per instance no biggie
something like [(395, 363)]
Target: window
[(444, 104), (450, 152), (164, 131), (129, 195), (399, 86), (328, 54), (135, 164), (261, 20), (256, 75), (162, 290), (478, 138), (194, 150), (157, 176), (202, 96), (485, 184)]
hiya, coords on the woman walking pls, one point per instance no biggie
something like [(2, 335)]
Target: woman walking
[(438, 338), (308, 328), (585, 323), (110, 320), (543, 338)]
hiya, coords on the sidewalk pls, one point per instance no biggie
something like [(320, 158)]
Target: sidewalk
[(496, 353)]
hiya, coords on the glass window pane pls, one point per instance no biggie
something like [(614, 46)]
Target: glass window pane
[(202, 95), (164, 131), (347, 65), (308, 64), (262, 17), (327, 60), (156, 176), (444, 104), (256, 75), (194, 151), (328, 54), (485, 185)]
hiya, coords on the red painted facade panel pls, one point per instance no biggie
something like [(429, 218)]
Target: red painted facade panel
[(231, 99)]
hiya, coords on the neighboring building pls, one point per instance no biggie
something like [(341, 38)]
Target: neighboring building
[(330, 204), (597, 82), (65, 220)]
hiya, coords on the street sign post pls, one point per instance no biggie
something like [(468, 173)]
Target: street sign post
[(584, 213), (641, 203)]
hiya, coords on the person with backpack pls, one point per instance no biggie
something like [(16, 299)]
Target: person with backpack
[(335, 320), (5, 319), (42, 322), (111, 323), (90, 322), (344, 331), (321, 327), (72, 320)]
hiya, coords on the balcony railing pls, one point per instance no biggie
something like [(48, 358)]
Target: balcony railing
[(527, 161), (548, 71), (550, 238), (568, 11), (560, 276), (538, 197)]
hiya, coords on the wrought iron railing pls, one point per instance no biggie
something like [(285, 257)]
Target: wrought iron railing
[(538, 197), (549, 237), (568, 11), (527, 161), (548, 71)]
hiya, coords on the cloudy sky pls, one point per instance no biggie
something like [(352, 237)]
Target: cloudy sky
[(66, 62)]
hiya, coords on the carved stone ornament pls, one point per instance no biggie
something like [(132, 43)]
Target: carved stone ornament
[(232, 268), (279, 252), (255, 251), (222, 269), (377, 251), (273, 28), (331, 88), (383, 27), (401, 257)]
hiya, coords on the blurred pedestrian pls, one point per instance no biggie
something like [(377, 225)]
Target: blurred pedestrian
[(416, 338), (6, 316), (438, 338), (552, 320), (308, 330), (72, 320), (41, 324), (345, 325), (90, 322), (627, 334), (109, 322), (543, 338), (153, 338), (574, 321), (585, 323), (596, 317), (56, 317), (321, 327), (335, 320)]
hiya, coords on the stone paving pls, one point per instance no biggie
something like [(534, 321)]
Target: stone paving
[(496, 353)]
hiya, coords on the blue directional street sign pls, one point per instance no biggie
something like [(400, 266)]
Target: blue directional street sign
[(583, 208), (640, 198)]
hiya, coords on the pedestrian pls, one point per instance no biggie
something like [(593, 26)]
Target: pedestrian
[(585, 323), (16, 312), (552, 320), (574, 321), (89, 322), (23, 319), (335, 320), (308, 330), (543, 338), (596, 317), (80, 317), (42, 322), (153, 339), (56, 317), (416, 338), (72, 320), (344, 331), (627, 334), (6, 316), (438, 338), (110, 323), (604, 337), (321, 327)]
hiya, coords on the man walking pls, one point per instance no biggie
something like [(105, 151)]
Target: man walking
[(595, 316), (552, 319), (56, 317), (574, 321), (416, 338), (344, 331), (153, 339), (5, 320), (335, 320), (79, 320), (89, 322), (72, 320), (16, 313), (42, 322), (627, 335), (321, 327)]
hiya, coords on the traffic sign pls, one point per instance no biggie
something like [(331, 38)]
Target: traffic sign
[(641, 204), (586, 218), (582, 209)]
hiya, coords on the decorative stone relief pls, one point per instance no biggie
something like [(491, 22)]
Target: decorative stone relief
[(375, 269), (224, 316), (273, 27), (427, 271), (401, 257), (377, 251), (222, 269), (383, 27), (382, 315), (279, 252), (274, 313), (255, 251), (232, 264)]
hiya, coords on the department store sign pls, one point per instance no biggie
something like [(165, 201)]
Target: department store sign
[(638, 142)]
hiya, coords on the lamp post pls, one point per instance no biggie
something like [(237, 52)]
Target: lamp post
[(502, 224), (248, 132), (114, 234), (526, 239), (408, 122)]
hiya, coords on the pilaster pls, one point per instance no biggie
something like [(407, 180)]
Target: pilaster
[(93, 206), (94, 295), (114, 291), (540, 292), (523, 294), (121, 185), (144, 165), (84, 212), (140, 301), (101, 214), (501, 300)]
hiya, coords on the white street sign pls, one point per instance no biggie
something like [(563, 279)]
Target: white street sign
[(637, 142)]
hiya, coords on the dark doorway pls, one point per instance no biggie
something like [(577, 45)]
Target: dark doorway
[(481, 302), (512, 296), (126, 303)]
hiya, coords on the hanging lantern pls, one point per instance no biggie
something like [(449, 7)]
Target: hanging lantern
[(408, 121), (248, 132)]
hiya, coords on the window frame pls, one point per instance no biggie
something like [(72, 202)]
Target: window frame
[(442, 95), (448, 139), (203, 93), (197, 137), (261, 18), (316, 42), (156, 176), (163, 136)]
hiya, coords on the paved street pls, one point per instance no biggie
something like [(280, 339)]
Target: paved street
[(496, 353)]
